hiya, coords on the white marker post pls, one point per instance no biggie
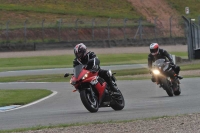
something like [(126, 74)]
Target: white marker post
[(187, 10)]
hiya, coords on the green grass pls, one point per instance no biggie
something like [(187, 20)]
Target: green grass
[(29, 9), (21, 96), (63, 61), (125, 74), (180, 5), (193, 66)]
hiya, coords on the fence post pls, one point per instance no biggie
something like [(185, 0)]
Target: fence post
[(155, 23), (170, 26), (125, 28), (43, 30), (108, 23), (25, 31), (197, 36), (76, 27), (59, 35), (93, 23), (140, 28), (7, 28), (189, 37), (199, 20)]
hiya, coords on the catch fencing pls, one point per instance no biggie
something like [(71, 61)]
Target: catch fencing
[(193, 38), (96, 32)]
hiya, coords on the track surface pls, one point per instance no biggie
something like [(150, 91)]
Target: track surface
[(143, 99)]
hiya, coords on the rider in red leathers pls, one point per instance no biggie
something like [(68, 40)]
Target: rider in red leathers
[(85, 57)]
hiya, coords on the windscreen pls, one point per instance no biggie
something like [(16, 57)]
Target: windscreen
[(77, 70), (159, 62)]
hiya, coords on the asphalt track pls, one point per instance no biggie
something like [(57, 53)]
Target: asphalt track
[(143, 99)]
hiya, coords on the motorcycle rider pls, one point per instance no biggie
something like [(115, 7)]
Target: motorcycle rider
[(158, 53), (85, 57)]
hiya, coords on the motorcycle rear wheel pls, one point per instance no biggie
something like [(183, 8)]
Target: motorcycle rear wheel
[(178, 92), (90, 102), (117, 102)]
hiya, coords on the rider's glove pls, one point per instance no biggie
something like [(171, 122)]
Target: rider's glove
[(66, 75)]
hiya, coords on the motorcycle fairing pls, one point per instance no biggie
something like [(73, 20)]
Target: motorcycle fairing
[(92, 78)]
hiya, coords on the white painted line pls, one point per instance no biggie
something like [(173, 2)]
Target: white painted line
[(8, 107), (22, 82), (54, 93)]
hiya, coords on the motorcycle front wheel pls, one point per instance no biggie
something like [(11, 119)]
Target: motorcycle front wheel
[(90, 102), (166, 86), (117, 102)]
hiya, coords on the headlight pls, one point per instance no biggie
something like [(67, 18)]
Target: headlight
[(156, 72), (85, 76)]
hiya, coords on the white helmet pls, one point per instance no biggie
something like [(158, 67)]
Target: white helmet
[(154, 48)]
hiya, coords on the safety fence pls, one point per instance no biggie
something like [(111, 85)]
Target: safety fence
[(101, 32), (193, 38)]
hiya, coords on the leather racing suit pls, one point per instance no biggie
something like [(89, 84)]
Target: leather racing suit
[(92, 61)]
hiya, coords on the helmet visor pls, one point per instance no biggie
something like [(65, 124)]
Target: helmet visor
[(79, 55), (154, 51)]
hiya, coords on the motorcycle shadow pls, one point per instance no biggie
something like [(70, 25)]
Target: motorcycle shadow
[(164, 96), (160, 97), (99, 112)]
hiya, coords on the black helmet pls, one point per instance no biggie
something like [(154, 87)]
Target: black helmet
[(80, 50), (154, 48)]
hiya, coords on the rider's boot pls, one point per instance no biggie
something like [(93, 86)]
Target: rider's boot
[(177, 70), (180, 77), (113, 88)]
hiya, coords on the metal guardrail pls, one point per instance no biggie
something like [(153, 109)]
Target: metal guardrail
[(193, 39), (109, 31)]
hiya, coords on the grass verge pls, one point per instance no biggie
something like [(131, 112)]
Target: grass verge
[(126, 74), (63, 61), (21, 96)]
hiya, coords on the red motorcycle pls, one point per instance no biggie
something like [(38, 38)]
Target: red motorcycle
[(94, 91)]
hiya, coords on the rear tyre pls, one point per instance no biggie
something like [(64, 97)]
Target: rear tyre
[(178, 92), (90, 102), (167, 87), (117, 102)]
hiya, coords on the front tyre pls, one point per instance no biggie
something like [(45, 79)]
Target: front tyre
[(167, 87), (117, 101), (90, 102)]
